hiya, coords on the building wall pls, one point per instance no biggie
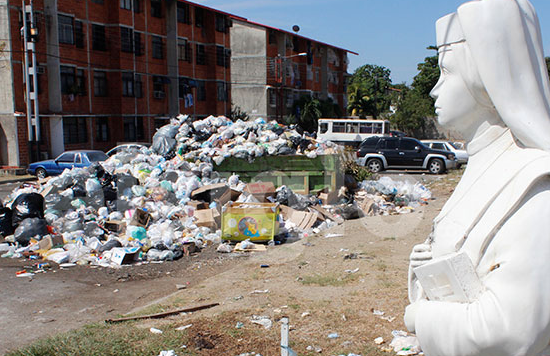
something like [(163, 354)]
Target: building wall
[(120, 113), (249, 66)]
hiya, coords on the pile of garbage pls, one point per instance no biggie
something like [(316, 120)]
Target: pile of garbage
[(164, 202), (216, 138), (388, 197)]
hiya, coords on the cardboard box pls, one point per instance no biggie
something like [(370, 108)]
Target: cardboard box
[(115, 226), (207, 217), (302, 219), (124, 255), (210, 193), (328, 198), (254, 221), (197, 205), (260, 190), (50, 241), (140, 218)]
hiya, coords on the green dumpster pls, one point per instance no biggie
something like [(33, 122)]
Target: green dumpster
[(299, 173)]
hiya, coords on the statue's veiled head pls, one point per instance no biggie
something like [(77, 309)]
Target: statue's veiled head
[(493, 68)]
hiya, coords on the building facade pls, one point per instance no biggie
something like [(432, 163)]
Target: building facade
[(110, 71), (272, 68)]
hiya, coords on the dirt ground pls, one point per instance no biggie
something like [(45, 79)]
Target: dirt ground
[(323, 284)]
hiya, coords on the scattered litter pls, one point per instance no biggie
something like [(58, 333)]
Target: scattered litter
[(239, 325), (26, 274), (184, 327), (262, 320), (404, 344), (314, 348), (181, 286), (378, 312), (67, 265), (352, 270), (265, 291), (155, 331), (304, 314), (333, 336), (328, 236), (379, 340), (168, 353)]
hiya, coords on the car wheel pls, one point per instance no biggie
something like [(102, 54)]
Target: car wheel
[(374, 165), (41, 173), (436, 166)]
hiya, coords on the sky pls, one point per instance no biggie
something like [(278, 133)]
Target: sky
[(389, 33)]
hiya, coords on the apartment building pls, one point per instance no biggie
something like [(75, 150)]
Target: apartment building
[(272, 68), (110, 71)]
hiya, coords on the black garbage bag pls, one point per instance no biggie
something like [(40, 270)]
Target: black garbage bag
[(79, 191), (350, 211), (28, 205), (164, 140), (6, 227), (109, 245), (285, 150), (29, 228), (125, 181), (110, 193)]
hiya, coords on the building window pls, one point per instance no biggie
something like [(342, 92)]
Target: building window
[(220, 56), (156, 8), (81, 82), (98, 1), (184, 50), (126, 4), (78, 34), (158, 87), (128, 84), (99, 42), (201, 90), (222, 91), (272, 37), (220, 23), (74, 130), (126, 39), (100, 83), (184, 88), (295, 44), (138, 47), (272, 97), (137, 6), (199, 16), (227, 58), (138, 86), (183, 13), (68, 80), (133, 129), (158, 48), (201, 54), (102, 129), (65, 28)]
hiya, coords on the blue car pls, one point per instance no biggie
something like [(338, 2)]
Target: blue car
[(66, 160)]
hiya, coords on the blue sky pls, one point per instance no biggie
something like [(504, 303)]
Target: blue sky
[(390, 33)]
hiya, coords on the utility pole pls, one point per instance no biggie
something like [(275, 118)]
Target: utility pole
[(279, 73), (30, 37)]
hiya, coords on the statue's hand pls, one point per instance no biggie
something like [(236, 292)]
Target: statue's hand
[(410, 314), (420, 255)]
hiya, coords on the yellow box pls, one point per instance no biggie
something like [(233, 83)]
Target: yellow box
[(254, 221)]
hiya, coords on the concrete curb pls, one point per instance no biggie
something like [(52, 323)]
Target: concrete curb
[(16, 179)]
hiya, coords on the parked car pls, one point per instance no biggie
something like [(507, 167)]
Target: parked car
[(126, 146), (380, 153), (461, 154), (66, 160)]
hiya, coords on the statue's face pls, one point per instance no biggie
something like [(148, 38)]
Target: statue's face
[(454, 102)]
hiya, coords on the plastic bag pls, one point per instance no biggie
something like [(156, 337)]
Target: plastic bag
[(6, 227), (26, 206), (164, 139), (30, 228)]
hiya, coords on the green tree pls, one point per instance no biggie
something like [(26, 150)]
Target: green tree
[(415, 105), (358, 100), (373, 81), (307, 112)]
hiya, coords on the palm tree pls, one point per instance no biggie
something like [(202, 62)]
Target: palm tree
[(358, 101)]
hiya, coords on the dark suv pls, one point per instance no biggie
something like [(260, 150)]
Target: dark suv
[(379, 153)]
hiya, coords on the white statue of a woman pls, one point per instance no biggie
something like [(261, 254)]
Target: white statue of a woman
[(494, 89)]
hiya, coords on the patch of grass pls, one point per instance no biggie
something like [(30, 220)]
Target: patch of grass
[(294, 306), (393, 238), (332, 280), (103, 339)]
